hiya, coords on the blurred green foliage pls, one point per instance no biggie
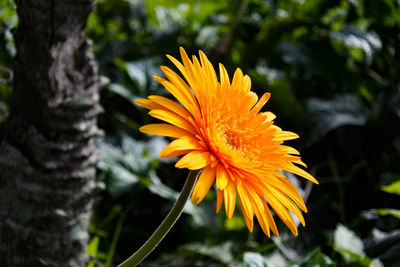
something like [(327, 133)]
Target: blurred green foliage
[(333, 70), (8, 20)]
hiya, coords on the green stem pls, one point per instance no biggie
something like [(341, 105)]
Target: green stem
[(166, 225)]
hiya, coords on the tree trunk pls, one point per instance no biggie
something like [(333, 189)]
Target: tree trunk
[(47, 153)]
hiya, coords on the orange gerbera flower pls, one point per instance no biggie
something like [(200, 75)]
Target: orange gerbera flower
[(219, 128)]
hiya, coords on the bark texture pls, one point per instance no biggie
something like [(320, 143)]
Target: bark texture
[(47, 152)]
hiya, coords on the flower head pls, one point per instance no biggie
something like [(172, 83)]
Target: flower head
[(219, 128)]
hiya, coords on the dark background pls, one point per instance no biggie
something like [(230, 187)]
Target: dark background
[(333, 70)]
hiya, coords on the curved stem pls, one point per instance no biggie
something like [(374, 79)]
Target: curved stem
[(166, 225)]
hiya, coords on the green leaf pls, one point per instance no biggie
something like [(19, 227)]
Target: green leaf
[(92, 250), (280, 87), (350, 246), (221, 253), (160, 189), (123, 164), (207, 37), (376, 263), (93, 245), (122, 181), (347, 242), (142, 71), (311, 58), (316, 258), (391, 212), (384, 245), (116, 235), (283, 250), (121, 90), (157, 187), (354, 38), (393, 188), (252, 259), (277, 258), (327, 115), (169, 14)]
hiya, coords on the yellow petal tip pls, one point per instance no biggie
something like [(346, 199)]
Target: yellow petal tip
[(195, 201)]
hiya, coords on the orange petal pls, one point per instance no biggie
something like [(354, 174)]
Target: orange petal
[(164, 129), (199, 77), (249, 223), (280, 203), (270, 219), (172, 118), (191, 78), (203, 184), (296, 170), (178, 89), (184, 143), (246, 204), (194, 160), (237, 79), (224, 77), (269, 116), (169, 104), (285, 135), (183, 70), (291, 150), (146, 103), (276, 192), (260, 103), (282, 212), (222, 177), (178, 153), (289, 204), (220, 197), (290, 190), (298, 160), (261, 215), (246, 83), (252, 99), (206, 64), (230, 199)]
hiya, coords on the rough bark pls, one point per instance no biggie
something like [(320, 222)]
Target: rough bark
[(47, 153)]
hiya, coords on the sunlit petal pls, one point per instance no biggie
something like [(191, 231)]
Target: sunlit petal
[(194, 160), (203, 184), (164, 129)]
